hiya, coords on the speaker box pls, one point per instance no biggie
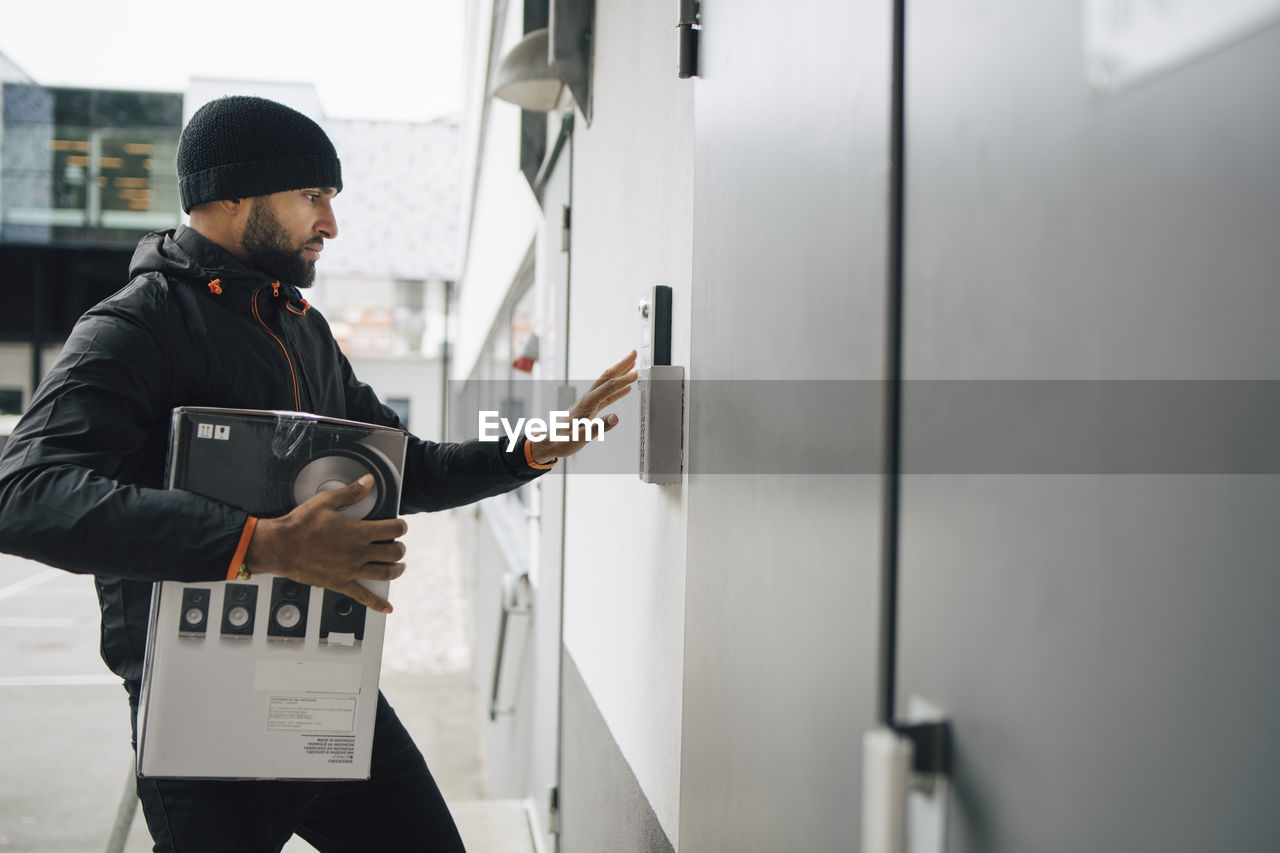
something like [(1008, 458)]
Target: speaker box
[(286, 686)]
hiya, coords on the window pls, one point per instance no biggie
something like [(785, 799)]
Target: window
[(10, 401), (88, 166), (400, 405)]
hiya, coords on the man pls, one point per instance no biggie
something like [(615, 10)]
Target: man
[(213, 317)]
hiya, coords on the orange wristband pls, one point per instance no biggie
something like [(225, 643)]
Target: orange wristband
[(528, 457), (237, 569)]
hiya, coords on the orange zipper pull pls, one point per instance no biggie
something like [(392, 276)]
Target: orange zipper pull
[(275, 289), (215, 287)]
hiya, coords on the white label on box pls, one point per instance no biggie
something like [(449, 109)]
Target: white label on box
[(297, 676), (337, 750), (311, 714)]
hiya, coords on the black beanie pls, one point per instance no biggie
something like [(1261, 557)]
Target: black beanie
[(241, 146)]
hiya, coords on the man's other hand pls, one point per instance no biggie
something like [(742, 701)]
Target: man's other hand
[(613, 385), (316, 544)]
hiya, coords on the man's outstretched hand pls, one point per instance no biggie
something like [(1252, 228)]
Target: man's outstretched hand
[(613, 385), (316, 544)]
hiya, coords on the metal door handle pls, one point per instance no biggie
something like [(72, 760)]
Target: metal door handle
[(516, 598)]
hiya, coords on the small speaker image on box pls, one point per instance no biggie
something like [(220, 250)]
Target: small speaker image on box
[(239, 607), (341, 619), (193, 619), (288, 614)]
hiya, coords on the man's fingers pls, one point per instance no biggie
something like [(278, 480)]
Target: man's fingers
[(606, 392), (364, 596), (385, 529), (346, 495), (617, 393), (385, 552), (617, 370), (624, 365), (383, 571)]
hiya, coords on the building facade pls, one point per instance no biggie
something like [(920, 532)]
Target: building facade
[(83, 173), (978, 317)]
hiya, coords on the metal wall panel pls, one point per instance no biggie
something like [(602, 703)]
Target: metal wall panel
[(1099, 625), (789, 242)]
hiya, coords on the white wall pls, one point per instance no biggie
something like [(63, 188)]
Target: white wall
[(632, 220), (504, 213), (625, 542), (418, 379)]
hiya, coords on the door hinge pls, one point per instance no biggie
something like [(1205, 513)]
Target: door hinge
[(566, 226), (553, 810)]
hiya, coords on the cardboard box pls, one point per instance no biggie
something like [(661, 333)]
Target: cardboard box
[(266, 678)]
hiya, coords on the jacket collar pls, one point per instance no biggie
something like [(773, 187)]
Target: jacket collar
[(229, 280)]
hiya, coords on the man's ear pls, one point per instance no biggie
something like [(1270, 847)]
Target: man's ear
[(231, 206)]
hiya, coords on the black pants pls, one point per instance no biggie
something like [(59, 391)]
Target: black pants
[(399, 808)]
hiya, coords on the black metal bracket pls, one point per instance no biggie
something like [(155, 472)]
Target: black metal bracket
[(572, 31), (931, 746), (688, 51), (689, 28)]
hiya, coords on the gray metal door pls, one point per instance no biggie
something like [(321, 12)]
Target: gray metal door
[(783, 530), (1088, 569)]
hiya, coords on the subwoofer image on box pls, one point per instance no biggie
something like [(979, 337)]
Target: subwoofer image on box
[(287, 618), (341, 619), (194, 617), (239, 609), (344, 463)]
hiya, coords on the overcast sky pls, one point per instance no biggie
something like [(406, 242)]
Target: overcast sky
[(368, 59)]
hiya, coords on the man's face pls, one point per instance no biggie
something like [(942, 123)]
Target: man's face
[(285, 233)]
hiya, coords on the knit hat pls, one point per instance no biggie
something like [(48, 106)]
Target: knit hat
[(240, 146)]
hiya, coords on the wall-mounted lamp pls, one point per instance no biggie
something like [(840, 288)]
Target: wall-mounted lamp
[(526, 77), (546, 59)]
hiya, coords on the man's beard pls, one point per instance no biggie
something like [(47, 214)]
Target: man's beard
[(267, 247)]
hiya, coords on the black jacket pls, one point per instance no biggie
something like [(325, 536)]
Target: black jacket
[(82, 476)]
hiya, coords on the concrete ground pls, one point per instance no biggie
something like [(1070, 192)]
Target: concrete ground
[(64, 724)]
